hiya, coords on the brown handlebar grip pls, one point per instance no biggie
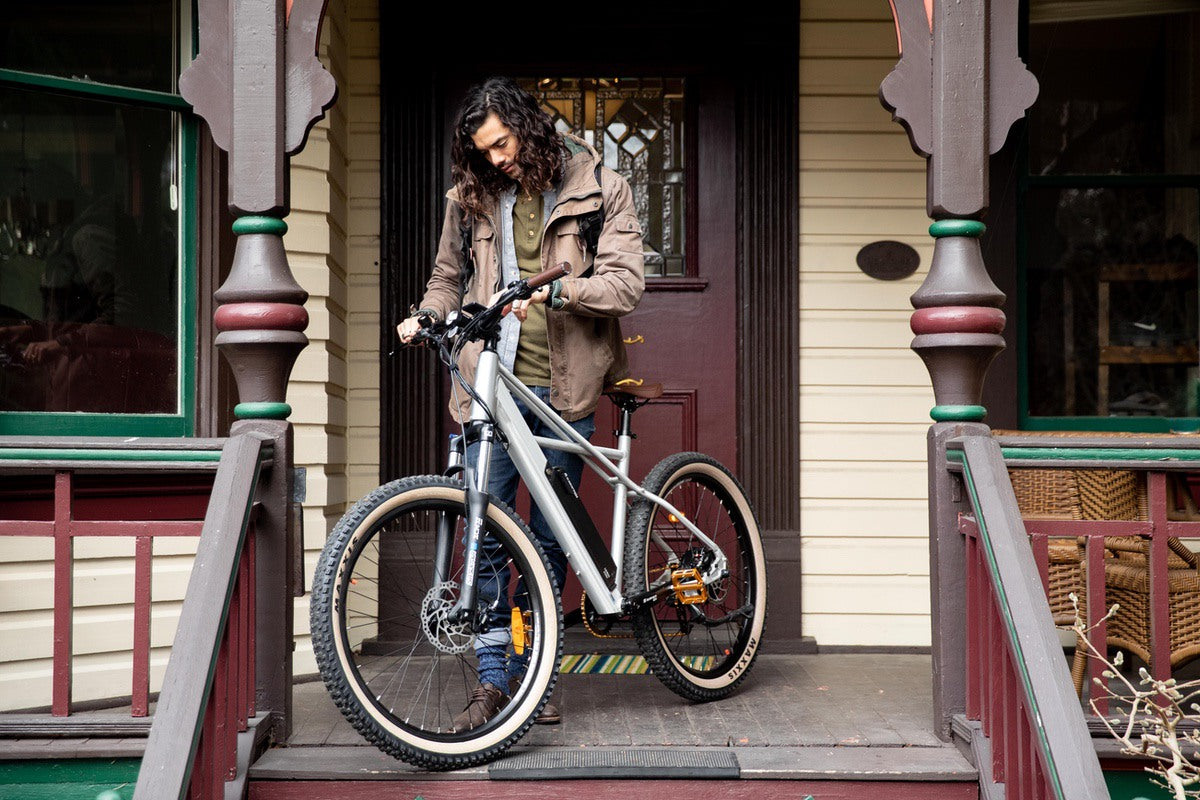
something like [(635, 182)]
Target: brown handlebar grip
[(549, 275)]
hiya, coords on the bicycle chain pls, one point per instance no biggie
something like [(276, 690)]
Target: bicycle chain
[(588, 625)]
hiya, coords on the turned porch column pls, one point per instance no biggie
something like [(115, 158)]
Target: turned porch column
[(957, 89), (258, 84)]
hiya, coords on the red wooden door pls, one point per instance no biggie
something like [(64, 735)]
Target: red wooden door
[(688, 324)]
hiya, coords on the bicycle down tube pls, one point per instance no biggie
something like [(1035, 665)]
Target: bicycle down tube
[(615, 475), (495, 386)]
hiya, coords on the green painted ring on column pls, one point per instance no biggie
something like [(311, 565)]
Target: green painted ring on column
[(958, 413), (259, 224), (957, 227), (262, 410)]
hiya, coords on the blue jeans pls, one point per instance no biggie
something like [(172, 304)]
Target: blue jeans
[(496, 664)]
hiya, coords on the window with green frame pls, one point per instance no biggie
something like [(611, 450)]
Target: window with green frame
[(97, 220), (1109, 204)]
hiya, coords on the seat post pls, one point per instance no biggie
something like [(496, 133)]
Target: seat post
[(626, 428)]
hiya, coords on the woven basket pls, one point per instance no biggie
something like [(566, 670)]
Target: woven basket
[(1066, 559), (1112, 494)]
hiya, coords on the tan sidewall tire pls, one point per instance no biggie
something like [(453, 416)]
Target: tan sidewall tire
[(358, 706), (655, 647)]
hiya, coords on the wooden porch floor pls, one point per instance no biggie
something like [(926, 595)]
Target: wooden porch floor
[(798, 717)]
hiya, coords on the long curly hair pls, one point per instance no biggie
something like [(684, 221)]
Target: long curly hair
[(540, 152)]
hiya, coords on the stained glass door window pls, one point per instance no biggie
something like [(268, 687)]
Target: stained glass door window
[(637, 126)]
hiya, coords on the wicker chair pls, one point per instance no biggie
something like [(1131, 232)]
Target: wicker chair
[(1127, 582), (1112, 495), (1054, 494)]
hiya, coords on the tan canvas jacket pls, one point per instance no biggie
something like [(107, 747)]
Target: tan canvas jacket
[(586, 349)]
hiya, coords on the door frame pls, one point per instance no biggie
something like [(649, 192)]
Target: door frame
[(760, 60)]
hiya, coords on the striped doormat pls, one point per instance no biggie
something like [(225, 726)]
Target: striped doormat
[(621, 665)]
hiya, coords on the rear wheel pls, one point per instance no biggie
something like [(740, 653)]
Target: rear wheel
[(395, 661), (701, 649)]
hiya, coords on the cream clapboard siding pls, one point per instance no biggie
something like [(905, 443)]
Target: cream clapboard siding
[(333, 247), (103, 623), (363, 248), (864, 396)]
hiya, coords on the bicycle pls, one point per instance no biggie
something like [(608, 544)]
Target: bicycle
[(424, 568)]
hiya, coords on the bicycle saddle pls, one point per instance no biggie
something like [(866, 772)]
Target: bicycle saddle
[(633, 392)]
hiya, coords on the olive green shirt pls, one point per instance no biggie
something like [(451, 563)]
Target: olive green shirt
[(532, 365)]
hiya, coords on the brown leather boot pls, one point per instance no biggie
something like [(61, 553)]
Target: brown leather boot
[(486, 702), (550, 713)]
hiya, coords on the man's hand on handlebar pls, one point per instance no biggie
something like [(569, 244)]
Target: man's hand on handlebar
[(520, 308), (408, 329)]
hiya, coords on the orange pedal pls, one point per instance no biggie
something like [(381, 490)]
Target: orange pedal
[(689, 586)]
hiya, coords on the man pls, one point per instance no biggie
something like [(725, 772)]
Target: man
[(527, 195)]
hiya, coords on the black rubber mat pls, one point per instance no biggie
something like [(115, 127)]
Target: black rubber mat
[(617, 763)]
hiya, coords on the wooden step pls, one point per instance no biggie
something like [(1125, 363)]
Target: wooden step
[(309, 773), (617, 790)]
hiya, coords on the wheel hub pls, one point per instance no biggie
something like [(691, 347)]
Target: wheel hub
[(442, 632)]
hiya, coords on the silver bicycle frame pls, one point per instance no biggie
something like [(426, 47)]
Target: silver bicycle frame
[(495, 385)]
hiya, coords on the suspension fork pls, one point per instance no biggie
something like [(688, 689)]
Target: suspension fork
[(483, 431), (447, 523)]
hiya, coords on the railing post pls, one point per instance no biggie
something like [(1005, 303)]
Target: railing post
[(64, 595), (259, 85), (142, 578), (275, 544), (1159, 571), (947, 577)]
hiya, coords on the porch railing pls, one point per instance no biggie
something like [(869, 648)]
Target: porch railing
[(68, 490), (1023, 719), (201, 737), (1165, 470)]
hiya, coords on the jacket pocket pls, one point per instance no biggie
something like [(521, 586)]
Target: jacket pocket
[(569, 247), (628, 223)]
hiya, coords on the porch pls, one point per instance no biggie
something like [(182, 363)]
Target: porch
[(864, 716), (829, 725)]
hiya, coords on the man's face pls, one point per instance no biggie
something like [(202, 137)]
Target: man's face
[(499, 145)]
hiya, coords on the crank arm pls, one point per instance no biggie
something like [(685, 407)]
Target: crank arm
[(746, 611)]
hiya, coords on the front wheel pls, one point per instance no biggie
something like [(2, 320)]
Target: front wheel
[(396, 658), (700, 648)]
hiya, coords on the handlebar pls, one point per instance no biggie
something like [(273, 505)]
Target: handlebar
[(475, 321), (548, 276)]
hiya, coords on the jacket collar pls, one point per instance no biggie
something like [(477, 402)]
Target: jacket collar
[(579, 171)]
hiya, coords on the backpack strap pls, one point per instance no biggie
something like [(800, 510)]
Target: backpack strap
[(468, 260), (591, 224)]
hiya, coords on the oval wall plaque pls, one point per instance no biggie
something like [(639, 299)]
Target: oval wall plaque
[(888, 261)]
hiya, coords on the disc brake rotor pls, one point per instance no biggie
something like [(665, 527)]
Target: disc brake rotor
[(442, 633)]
